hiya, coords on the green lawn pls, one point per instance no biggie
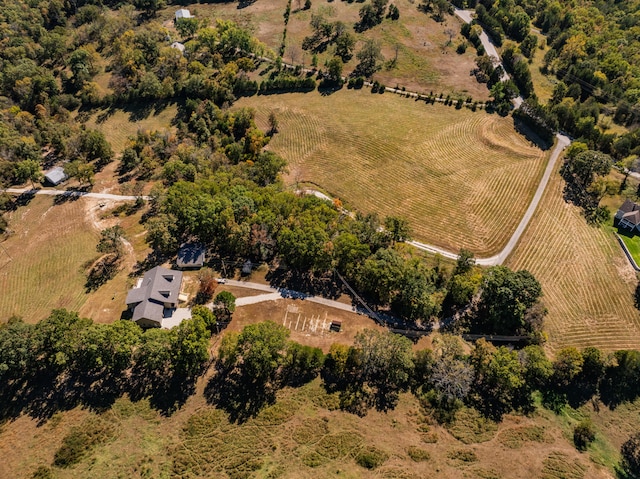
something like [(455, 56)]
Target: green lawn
[(633, 245)]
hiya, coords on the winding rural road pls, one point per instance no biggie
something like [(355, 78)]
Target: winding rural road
[(561, 143)]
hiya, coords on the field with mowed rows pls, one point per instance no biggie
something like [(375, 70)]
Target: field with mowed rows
[(463, 179), (43, 261), (587, 282)]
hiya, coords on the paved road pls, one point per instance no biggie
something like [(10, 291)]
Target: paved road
[(561, 143), (103, 196), (467, 16)]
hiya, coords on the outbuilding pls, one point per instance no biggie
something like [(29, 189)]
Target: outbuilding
[(191, 255), (178, 46), (183, 13), (55, 176)]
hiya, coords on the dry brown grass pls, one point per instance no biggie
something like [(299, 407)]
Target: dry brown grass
[(426, 60), (297, 438), (462, 179), (587, 282), (119, 125), (49, 247)]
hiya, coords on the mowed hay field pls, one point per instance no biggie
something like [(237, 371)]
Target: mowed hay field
[(48, 251), (462, 179), (587, 282)]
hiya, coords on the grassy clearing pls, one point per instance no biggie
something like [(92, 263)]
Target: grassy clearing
[(263, 19), (462, 179), (633, 245), (119, 125), (542, 84), (586, 279), (48, 250), (425, 59), (297, 437)]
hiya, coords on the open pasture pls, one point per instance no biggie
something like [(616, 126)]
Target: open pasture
[(463, 179), (119, 125), (587, 282), (49, 247), (265, 20), (426, 58)]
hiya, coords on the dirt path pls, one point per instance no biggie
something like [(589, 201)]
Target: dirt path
[(102, 196), (281, 293)]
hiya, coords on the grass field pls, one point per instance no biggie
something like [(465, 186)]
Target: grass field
[(263, 19), (304, 436), (48, 249), (587, 281), (426, 60), (462, 179), (119, 125), (633, 245)]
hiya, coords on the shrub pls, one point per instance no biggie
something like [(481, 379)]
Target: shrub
[(583, 435), (418, 455), (631, 455), (93, 431), (371, 458)]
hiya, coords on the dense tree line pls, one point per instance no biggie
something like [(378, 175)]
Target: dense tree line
[(95, 363), (593, 53), (380, 365)]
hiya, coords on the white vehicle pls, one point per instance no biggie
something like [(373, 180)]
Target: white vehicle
[(222, 280)]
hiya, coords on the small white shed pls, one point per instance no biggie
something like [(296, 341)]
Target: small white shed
[(178, 46), (183, 13), (55, 176)]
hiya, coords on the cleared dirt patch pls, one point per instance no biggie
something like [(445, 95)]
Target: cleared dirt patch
[(462, 179)]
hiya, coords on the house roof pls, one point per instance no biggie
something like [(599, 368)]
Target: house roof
[(159, 286), (632, 217), (191, 255), (628, 206), (56, 175), (183, 13)]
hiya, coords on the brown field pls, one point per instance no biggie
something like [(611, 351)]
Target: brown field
[(426, 60), (587, 282), (119, 125), (49, 247), (303, 436), (462, 179), (263, 19)]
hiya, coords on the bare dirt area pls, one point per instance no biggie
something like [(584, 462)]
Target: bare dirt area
[(308, 322)]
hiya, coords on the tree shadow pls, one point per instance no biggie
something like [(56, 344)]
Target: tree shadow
[(241, 397), (531, 135), (291, 282)]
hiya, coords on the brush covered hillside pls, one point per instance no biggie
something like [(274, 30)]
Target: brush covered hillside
[(288, 362)]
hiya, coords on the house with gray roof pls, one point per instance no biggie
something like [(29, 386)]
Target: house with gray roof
[(153, 302), (55, 176), (628, 216), (191, 255)]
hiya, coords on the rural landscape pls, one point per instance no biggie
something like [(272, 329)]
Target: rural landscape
[(320, 238)]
